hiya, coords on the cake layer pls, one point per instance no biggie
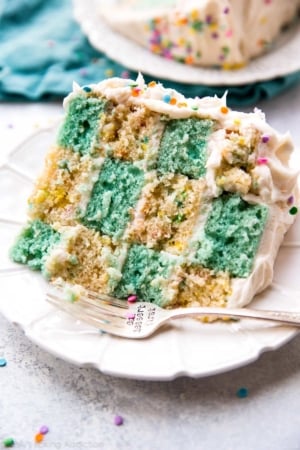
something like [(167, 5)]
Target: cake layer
[(147, 193)]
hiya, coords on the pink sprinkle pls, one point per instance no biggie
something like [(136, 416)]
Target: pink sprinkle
[(125, 74), (83, 72), (228, 33), (130, 315), (262, 160), (132, 298), (118, 420), (265, 139), (44, 429)]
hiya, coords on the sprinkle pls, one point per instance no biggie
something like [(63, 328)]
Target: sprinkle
[(132, 298), (189, 60), (3, 362), (8, 442), (226, 10), (125, 74), (118, 420), (182, 105), (87, 89), (83, 72), (290, 200), (109, 73), (38, 437), (166, 98), (293, 211), (262, 160), (195, 107), (173, 101), (130, 315), (242, 392), (44, 429), (152, 84), (135, 92), (224, 110), (214, 35), (265, 139)]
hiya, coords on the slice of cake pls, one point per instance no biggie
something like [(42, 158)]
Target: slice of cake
[(225, 33), (148, 193)]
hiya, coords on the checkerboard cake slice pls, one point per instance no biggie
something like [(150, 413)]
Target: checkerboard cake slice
[(145, 192)]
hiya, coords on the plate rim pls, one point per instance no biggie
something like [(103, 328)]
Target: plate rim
[(103, 38), (253, 355)]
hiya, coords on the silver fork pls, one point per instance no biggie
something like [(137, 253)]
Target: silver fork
[(139, 320)]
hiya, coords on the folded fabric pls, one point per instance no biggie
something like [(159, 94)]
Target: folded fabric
[(43, 50)]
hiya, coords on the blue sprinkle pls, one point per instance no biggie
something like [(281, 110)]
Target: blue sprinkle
[(167, 98), (87, 89), (242, 392), (3, 362)]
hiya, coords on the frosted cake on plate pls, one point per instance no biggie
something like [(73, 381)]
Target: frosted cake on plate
[(224, 33), (148, 193)]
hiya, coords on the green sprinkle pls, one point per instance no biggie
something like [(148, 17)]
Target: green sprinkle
[(293, 211), (179, 218), (8, 442)]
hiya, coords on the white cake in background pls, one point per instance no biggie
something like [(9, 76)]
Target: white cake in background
[(226, 33)]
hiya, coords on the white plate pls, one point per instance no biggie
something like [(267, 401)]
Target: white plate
[(189, 348), (282, 60)]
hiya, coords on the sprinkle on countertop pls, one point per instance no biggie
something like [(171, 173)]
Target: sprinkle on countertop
[(242, 392), (118, 420), (3, 362), (8, 442)]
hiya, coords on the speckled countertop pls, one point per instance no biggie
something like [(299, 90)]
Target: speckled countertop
[(79, 404)]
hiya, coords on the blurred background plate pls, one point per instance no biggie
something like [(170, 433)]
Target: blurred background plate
[(282, 60)]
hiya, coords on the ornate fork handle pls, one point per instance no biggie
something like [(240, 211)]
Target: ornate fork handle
[(284, 317)]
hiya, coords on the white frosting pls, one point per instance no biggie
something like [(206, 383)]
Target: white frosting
[(202, 32), (276, 180)]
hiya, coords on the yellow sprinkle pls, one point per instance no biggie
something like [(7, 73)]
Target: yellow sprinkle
[(263, 20), (179, 245), (109, 73), (181, 42), (40, 196), (213, 26), (182, 105), (152, 84), (237, 122), (241, 141), (194, 14), (235, 66), (144, 147)]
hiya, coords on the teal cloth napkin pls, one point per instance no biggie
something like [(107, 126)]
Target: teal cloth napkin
[(42, 50)]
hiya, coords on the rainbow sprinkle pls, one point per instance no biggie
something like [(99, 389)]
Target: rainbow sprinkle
[(118, 420), (3, 362), (242, 392)]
